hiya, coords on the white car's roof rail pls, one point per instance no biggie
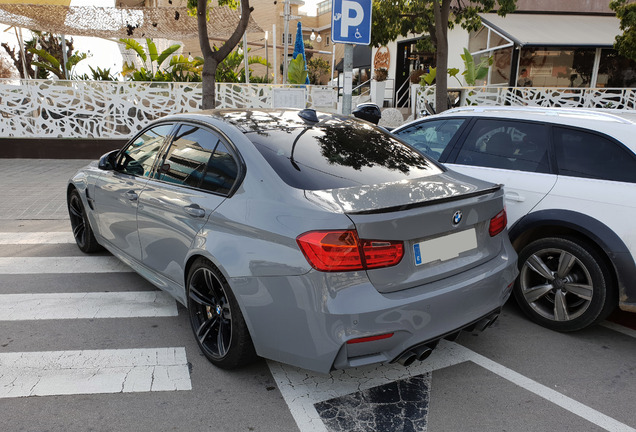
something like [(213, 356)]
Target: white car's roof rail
[(596, 113)]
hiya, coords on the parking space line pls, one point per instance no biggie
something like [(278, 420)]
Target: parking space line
[(302, 389), (23, 238), (569, 404), (21, 307), (619, 328), (56, 265), (50, 373)]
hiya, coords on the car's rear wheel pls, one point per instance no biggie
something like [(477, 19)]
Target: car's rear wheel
[(80, 225), (563, 284), (216, 319)]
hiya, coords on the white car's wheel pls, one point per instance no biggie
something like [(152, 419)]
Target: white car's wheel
[(563, 284)]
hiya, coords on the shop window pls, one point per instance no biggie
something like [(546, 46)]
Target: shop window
[(616, 71), (555, 67)]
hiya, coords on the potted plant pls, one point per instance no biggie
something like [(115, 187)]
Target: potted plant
[(378, 85)]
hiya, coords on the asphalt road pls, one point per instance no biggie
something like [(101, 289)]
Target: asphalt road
[(57, 372), (87, 345)]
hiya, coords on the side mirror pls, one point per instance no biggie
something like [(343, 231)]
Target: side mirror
[(369, 112), (107, 161)]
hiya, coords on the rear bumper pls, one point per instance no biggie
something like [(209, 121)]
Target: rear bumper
[(307, 320)]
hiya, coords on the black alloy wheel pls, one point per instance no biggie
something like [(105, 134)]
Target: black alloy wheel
[(563, 284), (216, 318), (80, 225)]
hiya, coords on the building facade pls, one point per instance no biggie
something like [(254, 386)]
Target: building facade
[(544, 43)]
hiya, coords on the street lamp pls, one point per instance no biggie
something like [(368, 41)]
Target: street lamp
[(319, 38), (313, 36)]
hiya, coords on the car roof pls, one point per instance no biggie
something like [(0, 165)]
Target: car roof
[(573, 116), (619, 124), (263, 119)]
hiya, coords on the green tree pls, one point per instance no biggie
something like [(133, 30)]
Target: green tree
[(44, 53), (400, 17), (317, 67), (97, 74), (232, 68), (626, 12), (151, 61), (296, 72), (212, 58)]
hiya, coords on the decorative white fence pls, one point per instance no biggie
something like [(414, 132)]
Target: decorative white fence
[(105, 109), (616, 98)]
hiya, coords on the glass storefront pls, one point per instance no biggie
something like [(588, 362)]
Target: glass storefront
[(558, 67), (615, 71), (563, 67)]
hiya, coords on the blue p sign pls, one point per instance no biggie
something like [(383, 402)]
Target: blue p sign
[(351, 21)]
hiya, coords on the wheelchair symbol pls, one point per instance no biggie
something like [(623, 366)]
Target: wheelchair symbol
[(358, 35)]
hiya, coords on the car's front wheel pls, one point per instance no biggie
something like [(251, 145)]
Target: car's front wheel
[(563, 284), (80, 225), (216, 319)]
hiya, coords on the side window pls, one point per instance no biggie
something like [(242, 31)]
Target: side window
[(198, 158), (221, 172), (431, 137), (506, 144), (584, 154), (138, 158)]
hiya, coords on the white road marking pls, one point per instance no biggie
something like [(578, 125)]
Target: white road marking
[(569, 404), (50, 373), (302, 389), (51, 265), (20, 307), (23, 238), (619, 328)]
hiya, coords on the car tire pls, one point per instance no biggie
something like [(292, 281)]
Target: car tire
[(217, 322), (80, 225), (563, 284)]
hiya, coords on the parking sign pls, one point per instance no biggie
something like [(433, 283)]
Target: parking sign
[(351, 21)]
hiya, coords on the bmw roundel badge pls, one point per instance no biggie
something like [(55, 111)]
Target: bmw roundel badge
[(457, 217)]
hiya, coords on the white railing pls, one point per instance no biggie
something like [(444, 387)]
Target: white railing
[(107, 110), (617, 98)]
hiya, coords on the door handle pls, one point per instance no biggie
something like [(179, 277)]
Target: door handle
[(513, 196), (194, 210), (132, 195)]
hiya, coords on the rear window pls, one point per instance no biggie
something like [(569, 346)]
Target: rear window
[(339, 155)]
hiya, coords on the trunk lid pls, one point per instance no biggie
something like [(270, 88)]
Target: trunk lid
[(443, 221)]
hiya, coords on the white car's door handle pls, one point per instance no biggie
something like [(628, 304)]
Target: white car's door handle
[(513, 196)]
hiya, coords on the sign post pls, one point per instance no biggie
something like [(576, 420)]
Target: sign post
[(350, 25)]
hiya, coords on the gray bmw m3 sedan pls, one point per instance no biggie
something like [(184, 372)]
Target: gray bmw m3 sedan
[(308, 238)]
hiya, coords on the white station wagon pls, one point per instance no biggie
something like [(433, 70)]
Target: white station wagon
[(570, 194)]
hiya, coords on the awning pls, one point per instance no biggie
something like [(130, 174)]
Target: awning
[(555, 30), (361, 58)]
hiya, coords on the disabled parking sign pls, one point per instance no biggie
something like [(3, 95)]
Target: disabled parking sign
[(351, 21)]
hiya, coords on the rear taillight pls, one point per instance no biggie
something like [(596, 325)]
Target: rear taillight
[(498, 223), (332, 251)]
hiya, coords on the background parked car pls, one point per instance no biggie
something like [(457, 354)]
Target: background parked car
[(308, 238), (570, 193)]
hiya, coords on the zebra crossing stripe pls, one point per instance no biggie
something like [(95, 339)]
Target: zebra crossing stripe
[(51, 373), (22, 238), (56, 265), (22, 307)]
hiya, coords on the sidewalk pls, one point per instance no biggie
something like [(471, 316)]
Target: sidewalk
[(35, 188)]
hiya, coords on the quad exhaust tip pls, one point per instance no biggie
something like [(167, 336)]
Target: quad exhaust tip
[(422, 352)]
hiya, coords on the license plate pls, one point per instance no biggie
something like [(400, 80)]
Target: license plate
[(445, 247)]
